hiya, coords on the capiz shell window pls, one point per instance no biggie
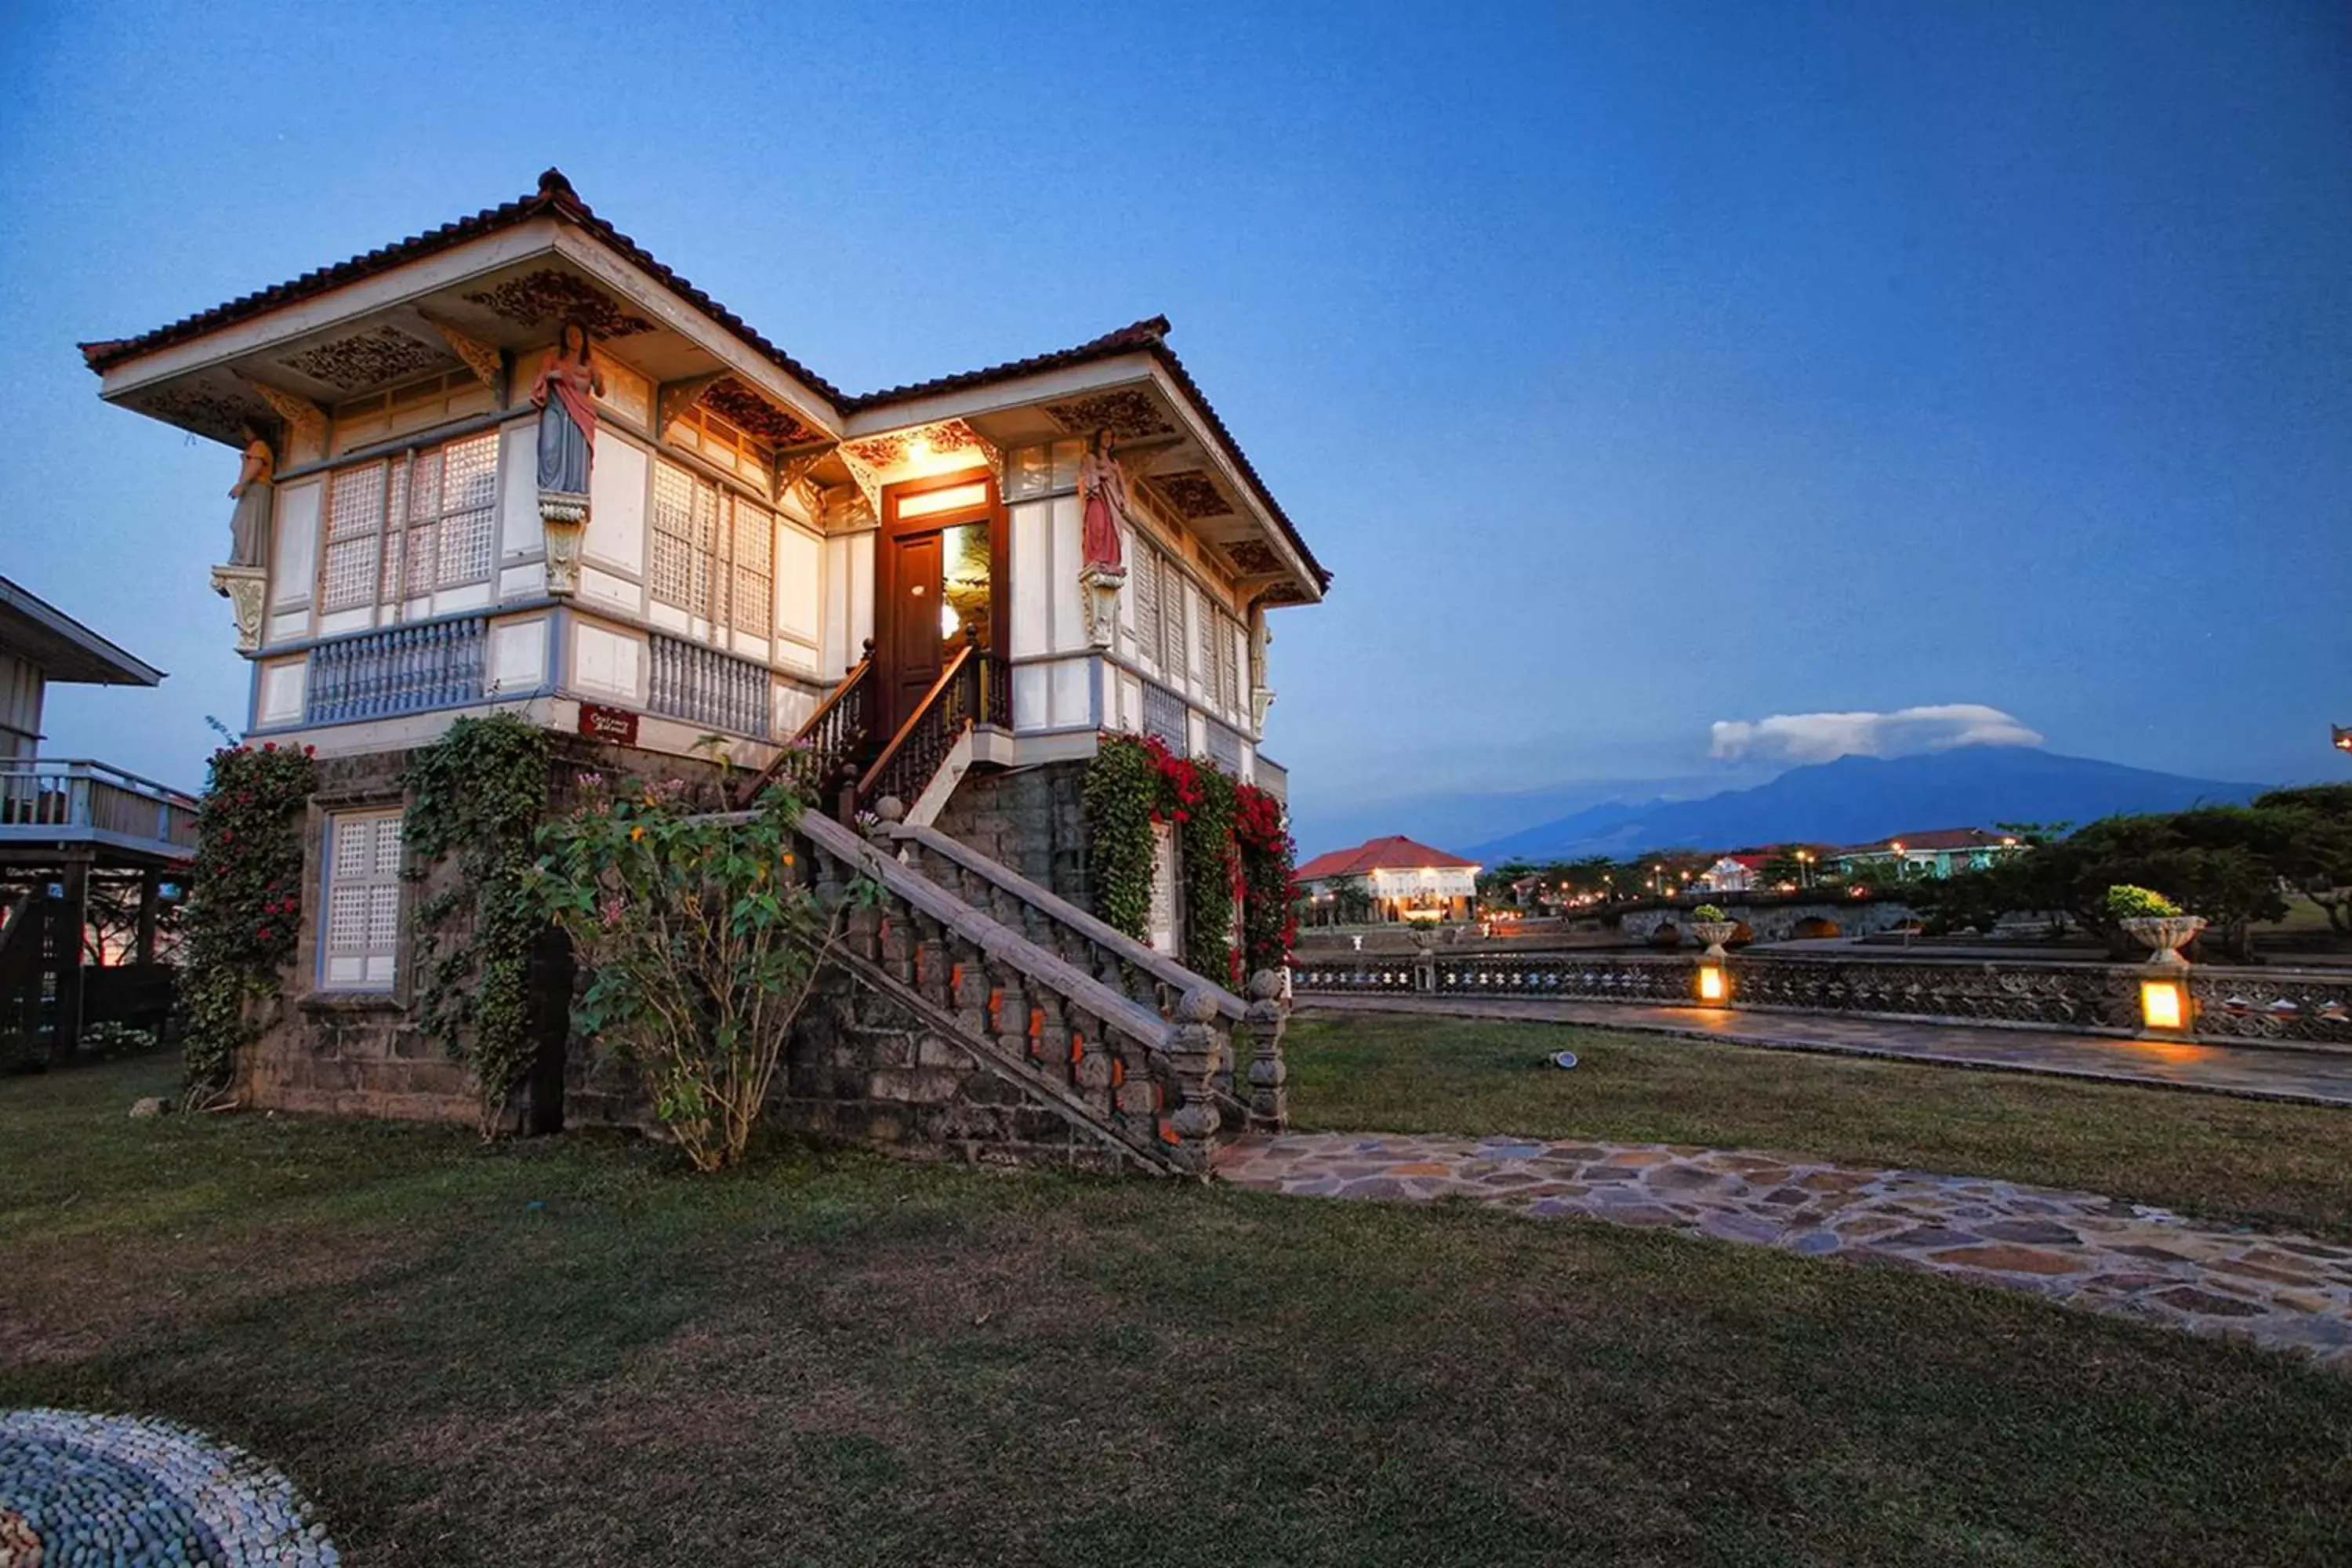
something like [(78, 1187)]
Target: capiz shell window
[(411, 525), (361, 949), (713, 551)]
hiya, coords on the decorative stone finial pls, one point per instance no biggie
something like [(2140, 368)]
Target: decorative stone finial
[(1266, 986), (1198, 1006), (890, 808), (552, 183)]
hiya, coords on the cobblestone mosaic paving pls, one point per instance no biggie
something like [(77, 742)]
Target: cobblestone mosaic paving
[(122, 1492), (2284, 1292)]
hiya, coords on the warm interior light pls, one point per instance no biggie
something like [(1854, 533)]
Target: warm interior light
[(1712, 986), (2161, 1004)]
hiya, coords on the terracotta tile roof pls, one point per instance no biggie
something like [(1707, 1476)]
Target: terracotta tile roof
[(554, 198), (1394, 853), (1934, 838), (1127, 340), (1150, 336)]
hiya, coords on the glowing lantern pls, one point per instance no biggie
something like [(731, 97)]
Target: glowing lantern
[(1714, 985), (2163, 1005)]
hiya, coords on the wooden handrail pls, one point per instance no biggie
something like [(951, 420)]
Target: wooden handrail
[(839, 694), (922, 711), (833, 699)]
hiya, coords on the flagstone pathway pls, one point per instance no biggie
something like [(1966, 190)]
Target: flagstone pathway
[(2284, 1292)]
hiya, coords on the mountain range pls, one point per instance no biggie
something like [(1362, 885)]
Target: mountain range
[(1861, 800)]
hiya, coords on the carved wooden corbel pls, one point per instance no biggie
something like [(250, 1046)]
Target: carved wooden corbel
[(488, 364), (306, 422), (676, 399)]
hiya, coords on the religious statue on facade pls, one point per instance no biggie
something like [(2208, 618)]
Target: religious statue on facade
[(565, 395), (1102, 569), (248, 527), (1261, 694), (244, 579)]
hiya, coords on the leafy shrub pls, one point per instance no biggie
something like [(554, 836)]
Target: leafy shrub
[(1708, 912), (702, 940), (2127, 902)]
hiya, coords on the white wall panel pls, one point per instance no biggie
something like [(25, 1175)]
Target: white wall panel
[(1032, 525), (618, 483), (1062, 579), (607, 664), (284, 685), (519, 490), (1033, 697), (800, 580), (1073, 688), (604, 588), (294, 542), (517, 656)]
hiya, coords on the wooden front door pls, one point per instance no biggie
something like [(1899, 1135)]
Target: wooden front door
[(910, 644), (938, 563)]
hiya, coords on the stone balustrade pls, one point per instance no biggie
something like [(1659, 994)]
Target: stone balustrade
[(1112, 1064), (2262, 1004), (1147, 977)]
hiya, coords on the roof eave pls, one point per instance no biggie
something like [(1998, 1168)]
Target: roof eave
[(100, 662)]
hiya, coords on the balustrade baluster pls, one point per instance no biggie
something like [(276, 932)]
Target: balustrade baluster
[(1052, 1047), (932, 960), (1269, 1074), (970, 985), (1135, 1094), (1092, 1075)]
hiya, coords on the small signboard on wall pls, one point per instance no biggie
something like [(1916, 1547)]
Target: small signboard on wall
[(617, 725), (1161, 923)]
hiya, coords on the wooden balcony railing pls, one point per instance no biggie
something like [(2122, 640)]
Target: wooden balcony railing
[(703, 686), (1164, 719), (78, 801), (399, 669)]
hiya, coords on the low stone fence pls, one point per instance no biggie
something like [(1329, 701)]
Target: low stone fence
[(2272, 1004)]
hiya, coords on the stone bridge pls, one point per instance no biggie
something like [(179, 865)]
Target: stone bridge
[(1776, 917)]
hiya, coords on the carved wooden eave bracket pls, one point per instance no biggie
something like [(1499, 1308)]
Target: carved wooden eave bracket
[(874, 462), (488, 364), (306, 422), (791, 477), (676, 399)]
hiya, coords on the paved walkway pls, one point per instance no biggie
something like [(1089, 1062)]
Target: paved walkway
[(2256, 1072), (2284, 1292)]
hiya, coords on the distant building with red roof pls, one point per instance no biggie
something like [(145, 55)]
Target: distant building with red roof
[(1404, 879)]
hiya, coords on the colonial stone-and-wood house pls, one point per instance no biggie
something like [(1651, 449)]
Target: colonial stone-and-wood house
[(1403, 881), (950, 591)]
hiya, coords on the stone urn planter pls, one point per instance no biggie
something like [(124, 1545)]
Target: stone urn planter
[(2165, 936), (1715, 933)]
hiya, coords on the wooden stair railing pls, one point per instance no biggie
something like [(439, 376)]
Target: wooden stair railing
[(834, 737), (957, 701)]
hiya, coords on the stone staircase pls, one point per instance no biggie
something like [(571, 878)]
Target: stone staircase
[(988, 1007)]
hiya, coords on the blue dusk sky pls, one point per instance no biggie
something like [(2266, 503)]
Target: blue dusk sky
[(1674, 391)]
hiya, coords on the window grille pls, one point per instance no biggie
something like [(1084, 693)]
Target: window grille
[(412, 525), (363, 945), (713, 551)]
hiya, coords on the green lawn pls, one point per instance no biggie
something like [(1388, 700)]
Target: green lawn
[(2239, 1161), (571, 1352)]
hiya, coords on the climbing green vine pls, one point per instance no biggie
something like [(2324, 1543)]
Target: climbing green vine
[(475, 799), (1234, 850), (245, 903), (1205, 831), (1123, 792)]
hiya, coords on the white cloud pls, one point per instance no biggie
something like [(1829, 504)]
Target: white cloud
[(1819, 737)]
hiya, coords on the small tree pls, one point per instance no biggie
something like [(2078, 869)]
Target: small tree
[(703, 941)]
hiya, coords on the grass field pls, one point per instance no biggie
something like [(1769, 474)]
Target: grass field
[(2242, 1161), (571, 1352)]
